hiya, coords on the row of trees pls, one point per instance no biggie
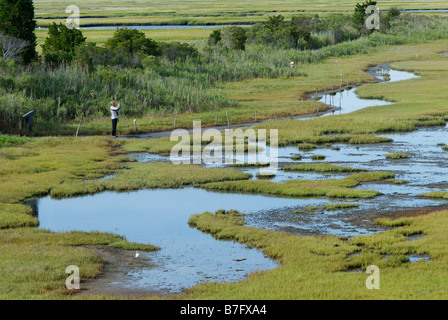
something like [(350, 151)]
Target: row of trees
[(303, 32), (127, 48)]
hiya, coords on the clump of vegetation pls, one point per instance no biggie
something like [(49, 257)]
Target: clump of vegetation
[(256, 164), (317, 157), (397, 156), (306, 146), (339, 206), (444, 147), (342, 188), (320, 167), (308, 210), (7, 141)]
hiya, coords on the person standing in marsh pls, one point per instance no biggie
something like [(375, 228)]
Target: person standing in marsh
[(114, 115)]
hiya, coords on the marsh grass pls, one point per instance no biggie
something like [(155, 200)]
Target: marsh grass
[(397, 156), (339, 206), (16, 216), (317, 157), (310, 263), (305, 188), (320, 167), (33, 261), (306, 146)]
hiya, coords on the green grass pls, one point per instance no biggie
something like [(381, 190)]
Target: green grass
[(33, 261), (200, 12), (342, 188), (243, 165), (436, 195), (339, 206), (317, 157), (148, 176), (397, 156), (8, 141), (16, 216), (320, 167), (306, 146)]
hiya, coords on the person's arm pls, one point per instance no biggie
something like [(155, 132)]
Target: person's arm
[(115, 108)]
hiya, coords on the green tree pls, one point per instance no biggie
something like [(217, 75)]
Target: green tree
[(274, 23), (132, 41), (301, 28), (61, 43), (174, 51), (214, 38), (386, 19), (17, 20), (234, 38)]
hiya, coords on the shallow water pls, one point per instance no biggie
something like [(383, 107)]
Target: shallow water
[(159, 217), (348, 101)]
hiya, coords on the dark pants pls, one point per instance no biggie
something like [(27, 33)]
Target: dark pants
[(114, 127)]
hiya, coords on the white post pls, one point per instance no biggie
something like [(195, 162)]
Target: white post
[(77, 130)]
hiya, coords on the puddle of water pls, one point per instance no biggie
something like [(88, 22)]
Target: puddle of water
[(419, 257), (159, 217), (148, 157)]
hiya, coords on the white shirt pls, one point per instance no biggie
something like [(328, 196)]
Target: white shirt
[(113, 111)]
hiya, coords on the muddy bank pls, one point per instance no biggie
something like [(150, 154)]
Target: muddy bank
[(117, 265)]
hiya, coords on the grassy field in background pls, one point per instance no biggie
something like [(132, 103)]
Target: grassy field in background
[(202, 12), (100, 36)]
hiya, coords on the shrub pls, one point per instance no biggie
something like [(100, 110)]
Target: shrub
[(234, 38), (132, 41), (174, 51)]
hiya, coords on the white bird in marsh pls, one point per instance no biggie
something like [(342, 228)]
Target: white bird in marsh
[(137, 254)]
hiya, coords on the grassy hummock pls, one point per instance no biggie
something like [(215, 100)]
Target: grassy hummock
[(397, 156), (320, 167), (342, 188)]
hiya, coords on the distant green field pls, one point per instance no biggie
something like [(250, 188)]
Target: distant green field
[(100, 36), (202, 12)]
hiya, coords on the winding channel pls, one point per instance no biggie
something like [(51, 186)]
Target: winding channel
[(188, 256)]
